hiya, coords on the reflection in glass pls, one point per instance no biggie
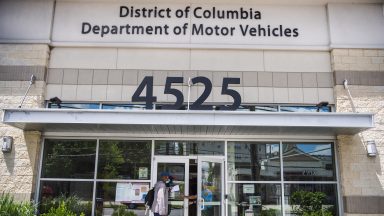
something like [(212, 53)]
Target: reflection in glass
[(308, 162), (161, 106), (211, 189), (78, 194), (189, 148), (177, 177), (73, 106), (304, 109), (266, 109), (257, 108), (123, 106), (253, 161), (254, 199), (310, 199), (117, 198), (124, 159), (69, 159)]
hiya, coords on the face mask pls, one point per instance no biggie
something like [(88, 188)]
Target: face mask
[(168, 181)]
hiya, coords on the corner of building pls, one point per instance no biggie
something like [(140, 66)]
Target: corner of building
[(362, 176), (18, 62)]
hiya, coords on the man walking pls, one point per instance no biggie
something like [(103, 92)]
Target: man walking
[(160, 201)]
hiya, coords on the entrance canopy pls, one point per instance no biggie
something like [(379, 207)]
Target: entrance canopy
[(184, 122)]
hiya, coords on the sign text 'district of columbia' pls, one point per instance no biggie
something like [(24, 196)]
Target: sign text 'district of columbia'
[(190, 24), (198, 13)]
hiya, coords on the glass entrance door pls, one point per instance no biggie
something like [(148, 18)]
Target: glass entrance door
[(210, 183), (179, 184), (198, 184)]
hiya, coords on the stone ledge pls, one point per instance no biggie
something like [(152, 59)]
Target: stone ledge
[(364, 204), (22, 73), (366, 78)]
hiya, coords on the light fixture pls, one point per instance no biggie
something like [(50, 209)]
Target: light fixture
[(371, 148), (31, 82), (321, 104), (6, 145)]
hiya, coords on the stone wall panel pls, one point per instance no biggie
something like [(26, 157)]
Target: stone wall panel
[(362, 177), (18, 169)]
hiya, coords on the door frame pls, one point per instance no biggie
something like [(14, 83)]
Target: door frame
[(214, 159), (173, 160), (185, 159)]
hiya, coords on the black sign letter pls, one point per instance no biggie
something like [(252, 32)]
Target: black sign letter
[(84, 26), (124, 11)]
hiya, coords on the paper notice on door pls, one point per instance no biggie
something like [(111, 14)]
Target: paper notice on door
[(175, 188), (131, 192), (123, 192), (248, 188), (143, 172)]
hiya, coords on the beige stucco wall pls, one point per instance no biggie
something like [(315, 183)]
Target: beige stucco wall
[(18, 169), (362, 177)]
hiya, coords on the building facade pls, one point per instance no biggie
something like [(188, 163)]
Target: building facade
[(254, 106)]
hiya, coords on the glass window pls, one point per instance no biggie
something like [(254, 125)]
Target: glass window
[(305, 109), (77, 194), (124, 159), (111, 198), (186, 148), (254, 199), (73, 106), (311, 199), (69, 159), (266, 109), (244, 108), (211, 188), (123, 106), (177, 177), (308, 162), (161, 106), (253, 161)]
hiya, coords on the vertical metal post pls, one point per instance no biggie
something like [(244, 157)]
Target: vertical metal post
[(37, 193), (189, 91), (282, 179), (95, 177)]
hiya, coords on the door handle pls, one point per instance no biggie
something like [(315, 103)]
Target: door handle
[(202, 203)]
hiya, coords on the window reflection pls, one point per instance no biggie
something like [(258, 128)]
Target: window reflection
[(211, 188), (177, 177), (73, 106), (308, 162), (311, 199), (78, 195), (123, 106), (189, 148), (254, 199), (69, 159), (305, 109), (255, 161), (119, 198), (124, 159)]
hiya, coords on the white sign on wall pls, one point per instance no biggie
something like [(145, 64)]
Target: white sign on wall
[(190, 24), (248, 189)]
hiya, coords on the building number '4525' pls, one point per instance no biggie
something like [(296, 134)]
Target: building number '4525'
[(149, 98)]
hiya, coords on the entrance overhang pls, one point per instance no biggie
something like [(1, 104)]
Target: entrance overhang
[(187, 122)]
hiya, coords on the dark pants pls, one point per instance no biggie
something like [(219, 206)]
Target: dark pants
[(156, 214)]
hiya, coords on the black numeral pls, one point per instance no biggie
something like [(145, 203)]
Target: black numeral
[(149, 99), (177, 93), (198, 104), (234, 94)]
